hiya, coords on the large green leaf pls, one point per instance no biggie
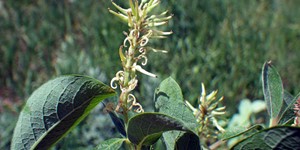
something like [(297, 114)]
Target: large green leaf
[(283, 137), (169, 100), (273, 89), (147, 128), (111, 144), (55, 108)]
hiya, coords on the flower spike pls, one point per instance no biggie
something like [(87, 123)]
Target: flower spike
[(142, 29), (207, 113)]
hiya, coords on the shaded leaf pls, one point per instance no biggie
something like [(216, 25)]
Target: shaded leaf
[(118, 122), (169, 100), (147, 128), (283, 137), (288, 114), (144, 147), (55, 108), (111, 144), (287, 100), (188, 141), (273, 89)]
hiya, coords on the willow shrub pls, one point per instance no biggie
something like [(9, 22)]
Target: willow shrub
[(59, 105)]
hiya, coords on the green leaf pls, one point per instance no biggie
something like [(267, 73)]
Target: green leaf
[(169, 100), (56, 108), (273, 89), (147, 128), (111, 144), (283, 137), (289, 114)]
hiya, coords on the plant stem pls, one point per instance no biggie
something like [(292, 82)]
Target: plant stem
[(273, 122), (138, 147), (128, 145), (129, 74)]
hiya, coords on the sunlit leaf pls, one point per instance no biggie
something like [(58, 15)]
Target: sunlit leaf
[(169, 100), (273, 89), (55, 108)]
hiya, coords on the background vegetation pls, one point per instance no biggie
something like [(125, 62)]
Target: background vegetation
[(221, 43)]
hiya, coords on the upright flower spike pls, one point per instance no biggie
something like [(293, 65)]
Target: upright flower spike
[(207, 113), (142, 28)]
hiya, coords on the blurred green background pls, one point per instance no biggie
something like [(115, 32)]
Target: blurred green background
[(222, 43)]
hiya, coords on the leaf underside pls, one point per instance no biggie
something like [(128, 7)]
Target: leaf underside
[(55, 108), (284, 137)]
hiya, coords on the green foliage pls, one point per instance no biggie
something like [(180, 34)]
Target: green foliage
[(279, 137), (272, 138), (8, 121), (169, 100), (220, 43), (53, 38), (242, 124), (56, 108), (224, 43)]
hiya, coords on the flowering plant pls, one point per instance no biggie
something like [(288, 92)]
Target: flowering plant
[(59, 105)]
